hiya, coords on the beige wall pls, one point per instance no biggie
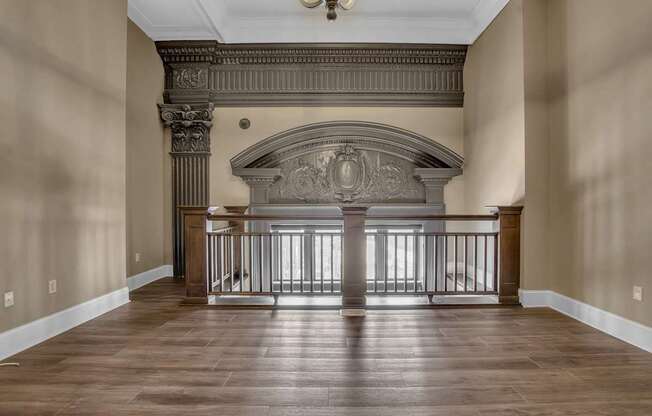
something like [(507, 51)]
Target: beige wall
[(443, 125), (62, 153), (146, 203), (558, 96), (505, 127), (494, 165), (600, 54), (535, 259)]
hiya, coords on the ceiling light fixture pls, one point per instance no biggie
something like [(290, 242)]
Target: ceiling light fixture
[(331, 6)]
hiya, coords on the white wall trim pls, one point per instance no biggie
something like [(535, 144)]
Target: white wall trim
[(141, 279), (631, 332), (25, 336)]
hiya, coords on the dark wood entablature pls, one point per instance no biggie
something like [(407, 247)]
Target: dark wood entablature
[(313, 74)]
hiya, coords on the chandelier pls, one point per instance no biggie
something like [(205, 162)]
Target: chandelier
[(331, 6)]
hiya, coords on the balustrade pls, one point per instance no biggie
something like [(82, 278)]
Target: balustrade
[(351, 259)]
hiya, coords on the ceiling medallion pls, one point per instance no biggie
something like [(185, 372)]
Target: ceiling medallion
[(331, 6)]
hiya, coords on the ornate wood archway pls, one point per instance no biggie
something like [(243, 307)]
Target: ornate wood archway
[(347, 163)]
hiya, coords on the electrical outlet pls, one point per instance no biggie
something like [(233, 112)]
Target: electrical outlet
[(637, 294), (137, 257), (9, 299), (52, 286)]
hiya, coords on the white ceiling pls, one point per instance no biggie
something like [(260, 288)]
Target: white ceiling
[(269, 21)]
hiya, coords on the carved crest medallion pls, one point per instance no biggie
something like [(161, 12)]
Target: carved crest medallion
[(347, 172)]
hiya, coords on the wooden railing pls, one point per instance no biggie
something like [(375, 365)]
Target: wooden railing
[(230, 261), (452, 263), (274, 263)]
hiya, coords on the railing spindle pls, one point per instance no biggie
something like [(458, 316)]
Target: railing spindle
[(414, 265), (455, 262), (302, 263), (485, 264), (495, 271), (279, 262), (291, 264), (405, 251), (312, 263), (466, 261), (321, 262), (436, 263), (475, 263), (332, 267), (232, 265)]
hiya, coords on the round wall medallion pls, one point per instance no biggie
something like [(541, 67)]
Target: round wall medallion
[(244, 123)]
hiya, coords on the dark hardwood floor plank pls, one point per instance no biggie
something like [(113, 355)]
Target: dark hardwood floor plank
[(444, 378), (156, 357), (425, 364), (315, 379), (241, 396), (422, 396)]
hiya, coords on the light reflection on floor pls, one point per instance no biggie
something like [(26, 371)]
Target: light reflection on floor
[(335, 301)]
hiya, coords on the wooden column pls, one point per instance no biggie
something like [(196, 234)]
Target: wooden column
[(354, 258), (190, 152), (509, 260), (196, 274)]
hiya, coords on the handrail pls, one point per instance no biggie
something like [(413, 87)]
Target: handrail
[(223, 230), (305, 234), (256, 217), (459, 217), (246, 234), (248, 217)]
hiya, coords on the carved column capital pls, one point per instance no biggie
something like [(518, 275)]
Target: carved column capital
[(259, 181), (190, 126), (434, 180)]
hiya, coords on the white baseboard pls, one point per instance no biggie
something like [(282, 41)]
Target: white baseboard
[(18, 339), (149, 276), (631, 332)]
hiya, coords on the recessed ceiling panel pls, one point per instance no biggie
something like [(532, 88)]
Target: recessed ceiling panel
[(280, 21)]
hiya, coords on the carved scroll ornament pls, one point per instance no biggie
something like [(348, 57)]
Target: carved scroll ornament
[(190, 77)]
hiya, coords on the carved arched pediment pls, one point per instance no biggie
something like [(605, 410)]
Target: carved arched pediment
[(345, 162)]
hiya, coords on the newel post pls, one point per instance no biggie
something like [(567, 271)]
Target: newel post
[(509, 260), (194, 237), (354, 258)]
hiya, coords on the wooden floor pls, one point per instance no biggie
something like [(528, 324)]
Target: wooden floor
[(153, 356)]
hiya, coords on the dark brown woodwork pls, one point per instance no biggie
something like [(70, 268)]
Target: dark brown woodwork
[(354, 253), (153, 357), (313, 74), (509, 269), (190, 153), (196, 276)]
